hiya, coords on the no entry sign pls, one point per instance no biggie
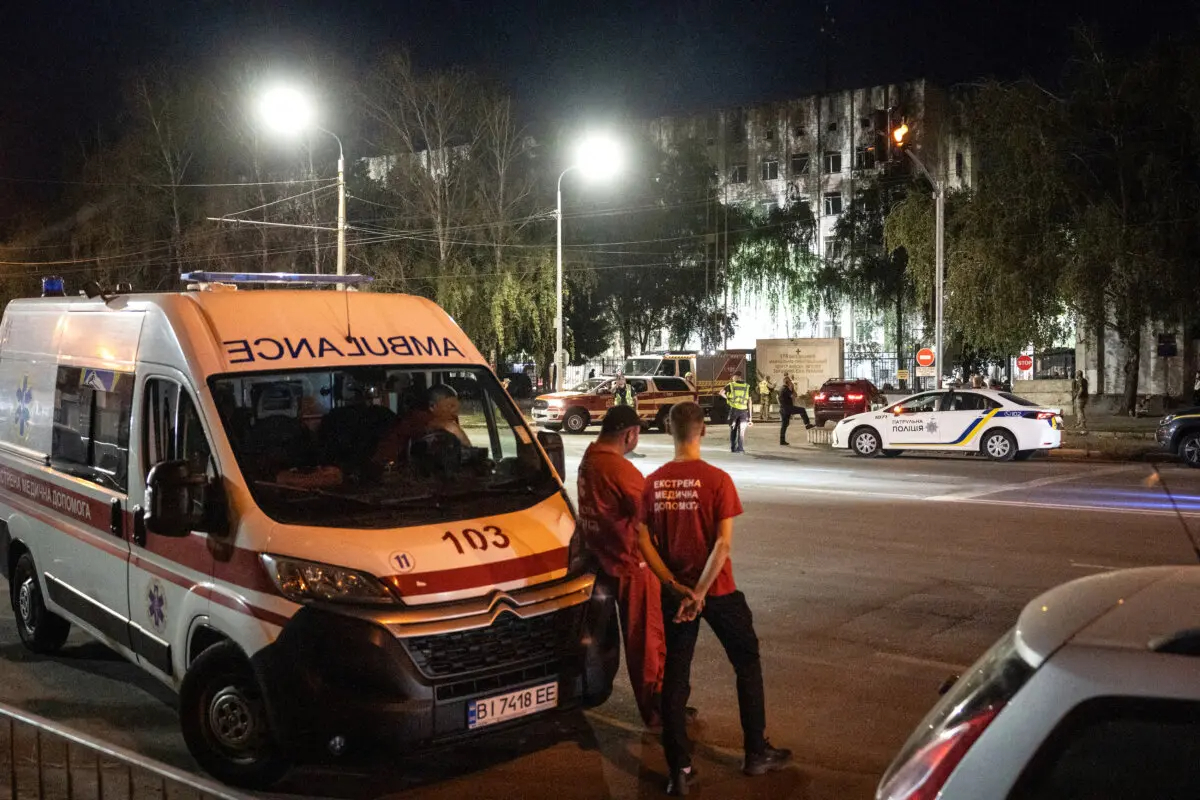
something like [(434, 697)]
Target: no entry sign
[(1025, 363), (925, 357)]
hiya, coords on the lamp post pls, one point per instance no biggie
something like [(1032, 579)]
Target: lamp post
[(939, 255), (597, 157), (288, 110)]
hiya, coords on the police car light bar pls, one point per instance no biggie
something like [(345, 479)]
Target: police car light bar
[(275, 277)]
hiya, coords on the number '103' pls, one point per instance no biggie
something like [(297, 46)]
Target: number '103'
[(477, 540)]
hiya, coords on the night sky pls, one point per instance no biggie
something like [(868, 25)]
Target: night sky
[(62, 60)]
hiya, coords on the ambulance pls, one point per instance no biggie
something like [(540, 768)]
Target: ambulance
[(314, 514)]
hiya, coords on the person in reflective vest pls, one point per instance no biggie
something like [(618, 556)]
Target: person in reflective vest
[(625, 395), (737, 395)]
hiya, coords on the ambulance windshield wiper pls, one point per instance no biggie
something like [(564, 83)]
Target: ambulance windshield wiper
[(521, 485)]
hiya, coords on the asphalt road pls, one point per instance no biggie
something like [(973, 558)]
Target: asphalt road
[(871, 582)]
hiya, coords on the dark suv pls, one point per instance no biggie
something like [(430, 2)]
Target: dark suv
[(840, 397)]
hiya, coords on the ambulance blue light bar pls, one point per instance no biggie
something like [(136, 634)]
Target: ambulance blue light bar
[(296, 278)]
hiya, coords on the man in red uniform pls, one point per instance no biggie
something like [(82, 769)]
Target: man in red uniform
[(689, 506), (610, 498)]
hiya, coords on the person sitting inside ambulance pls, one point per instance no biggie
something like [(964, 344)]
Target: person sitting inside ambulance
[(440, 413), (348, 432)]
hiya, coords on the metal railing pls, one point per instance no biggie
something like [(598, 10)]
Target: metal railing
[(40, 760)]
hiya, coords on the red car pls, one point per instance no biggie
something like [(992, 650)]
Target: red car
[(841, 397)]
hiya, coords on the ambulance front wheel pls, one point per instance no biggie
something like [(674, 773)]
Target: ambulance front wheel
[(41, 630), (224, 720)]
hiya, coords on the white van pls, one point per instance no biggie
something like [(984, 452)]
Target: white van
[(315, 514)]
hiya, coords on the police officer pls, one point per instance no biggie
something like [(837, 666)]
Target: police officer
[(625, 395), (737, 395)]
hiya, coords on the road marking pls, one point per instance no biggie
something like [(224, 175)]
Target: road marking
[(921, 662), (1034, 484), (1076, 507)]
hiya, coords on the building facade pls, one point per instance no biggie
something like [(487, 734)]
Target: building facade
[(816, 149)]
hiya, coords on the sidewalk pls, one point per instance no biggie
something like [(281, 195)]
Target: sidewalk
[(1108, 438)]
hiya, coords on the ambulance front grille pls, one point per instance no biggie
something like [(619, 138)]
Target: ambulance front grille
[(508, 642)]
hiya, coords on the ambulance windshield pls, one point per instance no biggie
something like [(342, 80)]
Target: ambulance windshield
[(378, 447)]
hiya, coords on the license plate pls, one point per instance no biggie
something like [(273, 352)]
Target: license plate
[(503, 707), (837, 398)]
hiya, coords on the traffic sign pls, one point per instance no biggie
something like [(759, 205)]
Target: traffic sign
[(901, 374), (1025, 363), (925, 357), (926, 372)]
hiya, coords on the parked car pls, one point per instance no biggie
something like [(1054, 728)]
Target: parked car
[(574, 410), (999, 425), (1179, 434), (1095, 694), (839, 397)]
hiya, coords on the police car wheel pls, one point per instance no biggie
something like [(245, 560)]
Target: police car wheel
[(865, 442), (41, 630), (224, 720), (1000, 446), (575, 421)]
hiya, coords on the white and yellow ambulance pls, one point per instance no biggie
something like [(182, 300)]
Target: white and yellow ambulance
[(315, 514)]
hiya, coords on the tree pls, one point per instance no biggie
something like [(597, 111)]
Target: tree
[(1135, 191), (774, 258), (861, 268), (651, 257), (1006, 238)]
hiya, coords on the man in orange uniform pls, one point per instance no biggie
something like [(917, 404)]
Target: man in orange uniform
[(610, 504), (689, 508)]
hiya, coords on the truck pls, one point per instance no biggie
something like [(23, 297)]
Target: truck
[(708, 372)]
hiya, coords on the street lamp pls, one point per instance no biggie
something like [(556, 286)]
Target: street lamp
[(288, 110), (939, 197), (597, 157)]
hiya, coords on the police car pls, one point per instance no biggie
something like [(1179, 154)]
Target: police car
[(999, 425)]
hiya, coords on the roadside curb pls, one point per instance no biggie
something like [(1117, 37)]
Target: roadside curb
[(1081, 454)]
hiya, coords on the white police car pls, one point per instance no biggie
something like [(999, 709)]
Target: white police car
[(998, 424), (1094, 695)]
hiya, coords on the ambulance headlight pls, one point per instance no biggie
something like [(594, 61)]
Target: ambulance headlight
[(304, 581)]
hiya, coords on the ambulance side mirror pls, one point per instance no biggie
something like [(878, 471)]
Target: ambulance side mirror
[(552, 443), (179, 501)]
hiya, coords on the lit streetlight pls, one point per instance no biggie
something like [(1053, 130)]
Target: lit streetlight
[(597, 157), (939, 197), (288, 110)]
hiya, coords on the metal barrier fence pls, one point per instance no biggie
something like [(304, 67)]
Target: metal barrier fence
[(40, 760)]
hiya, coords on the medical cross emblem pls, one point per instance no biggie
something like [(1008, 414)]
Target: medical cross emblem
[(24, 401), (158, 605)]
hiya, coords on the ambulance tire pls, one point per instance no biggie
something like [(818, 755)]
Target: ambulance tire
[(575, 421), (41, 630), (663, 420), (224, 720)]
